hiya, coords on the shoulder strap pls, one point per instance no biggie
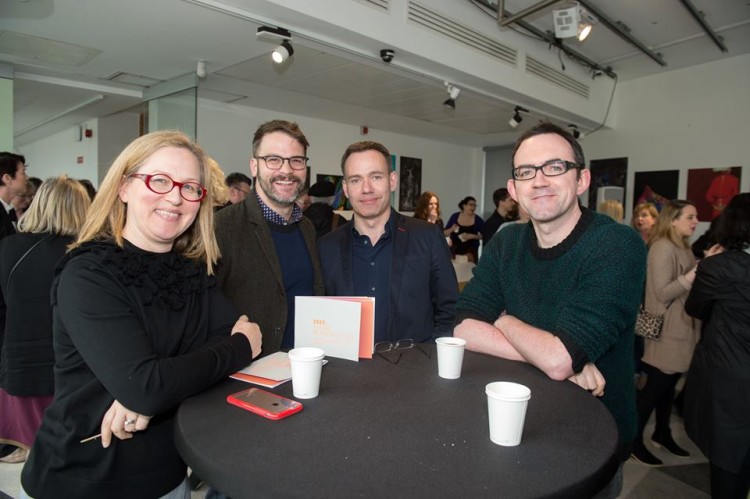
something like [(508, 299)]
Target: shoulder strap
[(10, 274)]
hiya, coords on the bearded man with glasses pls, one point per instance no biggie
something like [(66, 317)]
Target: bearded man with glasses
[(561, 292), (269, 254)]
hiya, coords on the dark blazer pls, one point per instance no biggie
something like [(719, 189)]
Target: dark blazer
[(6, 224), (423, 286), (249, 272), (717, 398), (27, 356)]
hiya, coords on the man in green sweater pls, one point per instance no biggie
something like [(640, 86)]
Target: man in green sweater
[(563, 291)]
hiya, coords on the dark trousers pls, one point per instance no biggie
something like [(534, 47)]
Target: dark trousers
[(658, 394), (728, 485)]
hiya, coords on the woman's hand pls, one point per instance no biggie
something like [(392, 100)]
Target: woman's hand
[(121, 422), (251, 332), (713, 250)]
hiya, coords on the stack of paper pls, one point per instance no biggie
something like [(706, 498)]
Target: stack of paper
[(269, 371)]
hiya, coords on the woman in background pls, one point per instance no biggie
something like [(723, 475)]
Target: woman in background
[(644, 219), (27, 262), (428, 209), (22, 202), (139, 325), (717, 391), (613, 209), (465, 230), (669, 276)]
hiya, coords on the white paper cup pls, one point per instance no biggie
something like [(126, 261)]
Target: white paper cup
[(450, 352), (506, 403), (307, 363)]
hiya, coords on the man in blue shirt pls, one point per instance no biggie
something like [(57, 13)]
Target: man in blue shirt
[(401, 261)]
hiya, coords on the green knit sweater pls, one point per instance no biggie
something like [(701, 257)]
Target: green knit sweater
[(586, 291)]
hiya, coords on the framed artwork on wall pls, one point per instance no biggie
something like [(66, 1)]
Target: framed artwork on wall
[(410, 183), (711, 189), (655, 187), (612, 172), (340, 202)]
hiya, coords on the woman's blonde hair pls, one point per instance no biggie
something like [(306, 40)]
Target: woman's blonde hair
[(612, 208), (639, 208), (59, 207), (106, 216), (221, 191), (670, 212)]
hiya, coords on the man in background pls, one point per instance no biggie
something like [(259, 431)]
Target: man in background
[(320, 212), (561, 292), (239, 186), (12, 183), (505, 211), (401, 261), (268, 249)]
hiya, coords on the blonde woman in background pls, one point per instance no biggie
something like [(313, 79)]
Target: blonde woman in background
[(613, 209), (669, 276), (644, 219), (26, 356)]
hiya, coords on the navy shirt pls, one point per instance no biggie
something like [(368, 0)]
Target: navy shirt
[(372, 273)]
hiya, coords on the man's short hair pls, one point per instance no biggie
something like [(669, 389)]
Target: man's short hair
[(236, 178), (9, 163), (544, 128), (500, 194), (37, 182), (290, 128), (365, 145)]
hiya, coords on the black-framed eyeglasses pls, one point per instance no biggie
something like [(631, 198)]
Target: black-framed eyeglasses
[(551, 168), (239, 189), (161, 183), (276, 162), (400, 346)]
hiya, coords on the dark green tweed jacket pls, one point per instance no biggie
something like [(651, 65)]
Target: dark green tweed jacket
[(586, 291)]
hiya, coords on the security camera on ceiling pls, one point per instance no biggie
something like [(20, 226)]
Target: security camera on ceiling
[(387, 55)]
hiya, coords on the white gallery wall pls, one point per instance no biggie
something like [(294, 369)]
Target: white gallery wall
[(63, 153), (697, 117)]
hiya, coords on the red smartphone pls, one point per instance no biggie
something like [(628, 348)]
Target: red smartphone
[(266, 404)]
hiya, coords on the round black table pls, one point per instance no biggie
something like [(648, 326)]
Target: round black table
[(398, 430)]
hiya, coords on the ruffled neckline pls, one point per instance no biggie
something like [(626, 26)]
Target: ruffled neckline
[(164, 280)]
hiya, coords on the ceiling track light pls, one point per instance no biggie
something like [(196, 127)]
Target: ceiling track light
[(282, 52), (575, 132), (573, 21), (517, 118), (270, 34), (453, 93)]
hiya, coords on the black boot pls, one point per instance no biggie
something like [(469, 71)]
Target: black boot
[(641, 454), (665, 440)]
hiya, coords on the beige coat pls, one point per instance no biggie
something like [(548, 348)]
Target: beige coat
[(666, 292)]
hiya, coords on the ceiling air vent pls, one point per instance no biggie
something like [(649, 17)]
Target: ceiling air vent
[(556, 77), (445, 26), (376, 4)]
